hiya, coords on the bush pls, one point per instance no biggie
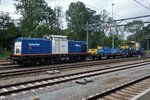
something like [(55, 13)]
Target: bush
[(4, 54)]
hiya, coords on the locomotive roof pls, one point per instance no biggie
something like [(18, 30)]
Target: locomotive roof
[(76, 41), (59, 36), (21, 38)]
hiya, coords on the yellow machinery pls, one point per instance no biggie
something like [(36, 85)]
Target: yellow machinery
[(131, 44), (93, 51), (124, 47)]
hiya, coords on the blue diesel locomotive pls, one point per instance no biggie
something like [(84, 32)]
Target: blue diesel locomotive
[(53, 48)]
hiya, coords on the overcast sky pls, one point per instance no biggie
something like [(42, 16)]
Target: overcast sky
[(122, 8)]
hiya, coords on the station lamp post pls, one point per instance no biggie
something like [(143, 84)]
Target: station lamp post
[(112, 28), (87, 36)]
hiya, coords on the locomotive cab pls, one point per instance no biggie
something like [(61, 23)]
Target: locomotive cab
[(17, 48), (132, 48), (59, 44)]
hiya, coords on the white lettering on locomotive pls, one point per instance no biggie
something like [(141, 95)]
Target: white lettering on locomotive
[(34, 44)]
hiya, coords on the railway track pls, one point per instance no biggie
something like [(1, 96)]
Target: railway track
[(11, 73), (3, 60), (10, 66), (3, 65), (28, 85), (125, 91)]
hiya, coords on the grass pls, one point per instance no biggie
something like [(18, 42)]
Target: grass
[(4, 54), (147, 51)]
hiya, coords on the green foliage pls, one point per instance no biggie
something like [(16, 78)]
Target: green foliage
[(134, 26), (77, 16), (139, 31), (36, 17), (148, 52), (144, 35), (5, 54), (118, 40), (8, 31), (96, 39)]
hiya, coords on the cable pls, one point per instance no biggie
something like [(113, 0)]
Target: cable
[(133, 18), (9, 13), (0, 2), (142, 4), (101, 10)]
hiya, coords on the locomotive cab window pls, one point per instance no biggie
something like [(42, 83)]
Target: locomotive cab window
[(17, 51)]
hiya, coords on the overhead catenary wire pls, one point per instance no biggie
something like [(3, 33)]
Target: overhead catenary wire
[(102, 9), (0, 2), (137, 17), (141, 4), (133, 18), (9, 13), (97, 24)]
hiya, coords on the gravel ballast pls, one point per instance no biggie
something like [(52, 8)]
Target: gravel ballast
[(74, 91)]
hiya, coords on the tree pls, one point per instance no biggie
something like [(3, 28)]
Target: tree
[(77, 17), (106, 22), (36, 15), (144, 36), (59, 16), (134, 27), (8, 31)]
